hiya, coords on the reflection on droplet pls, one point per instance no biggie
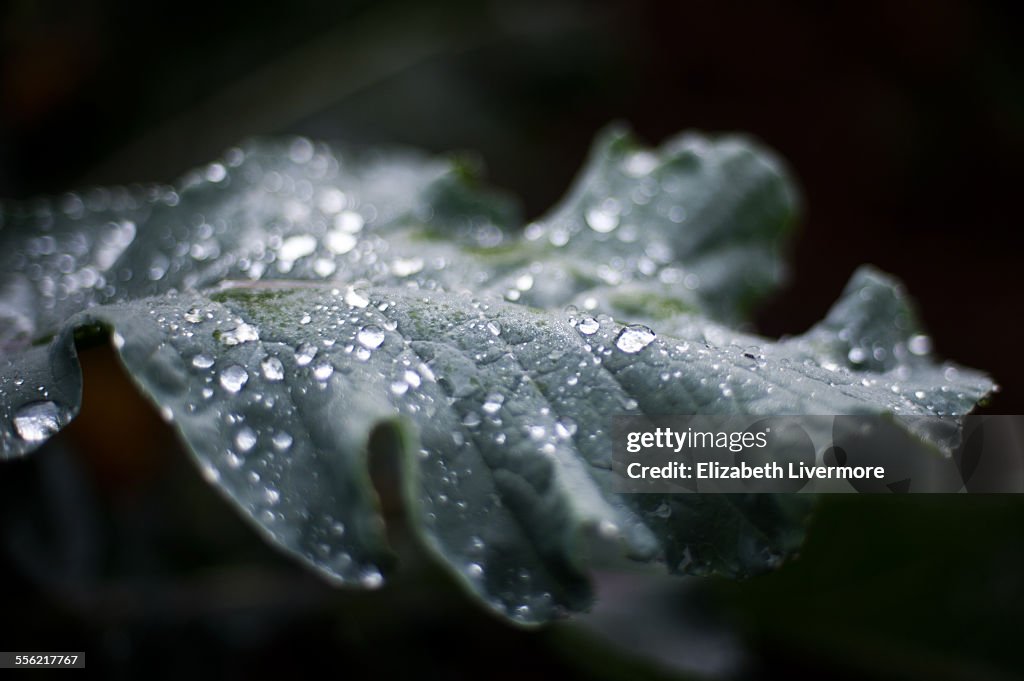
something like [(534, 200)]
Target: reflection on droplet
[(295, 247), (233, 378), (273, 369), (920, 345), (282, 440), (37, 421), (243, 333), (370, 336), (245, 439), (588, 326), (634, 338), (305, 354), (201, 361), (603, 218), (322, 372)]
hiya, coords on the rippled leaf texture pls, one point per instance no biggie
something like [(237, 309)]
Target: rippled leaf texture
[(285, 303)]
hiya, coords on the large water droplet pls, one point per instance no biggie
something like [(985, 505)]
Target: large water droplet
[(37, 421), (634, 338), (233, 378), (243, 333), (296, 247), (920, 345), (245, 439), (588, 326), (305, 354), (273, 369), (370, 336), (282, 440), (323, 371), (603, 218), (202, 361), (356, 299)]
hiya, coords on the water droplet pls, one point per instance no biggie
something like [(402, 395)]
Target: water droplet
[(524, 282), (603, 218), (493, 403), (356, 299), (349, 221), (634, 338), (608, 529), (588, 326), (243, 333), (202, 361), (565, 428), (370, 337), (372, 579), (339, 242), (271, 495), (857, 355), (273, 369), (305, 354), (403, 267), (322, 372), (471, 419), (475, 570), (295, 247), (233, 378), (640, 163), (282, 441), (37, 421), (245, 439), (920, 345)]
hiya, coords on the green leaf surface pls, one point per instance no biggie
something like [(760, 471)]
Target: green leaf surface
[(283, 305)]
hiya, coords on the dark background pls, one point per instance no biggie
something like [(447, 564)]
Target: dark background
[(903, 124)]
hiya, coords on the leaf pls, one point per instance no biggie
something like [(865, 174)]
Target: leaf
[(290, 303)]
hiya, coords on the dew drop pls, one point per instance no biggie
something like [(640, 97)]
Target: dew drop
[(349, 221), (370, 337), (322, 372), (634, 338), (920, 345), (601, 219), (243, 333), (245, 439), (233, 378), (404, 267), (273, 369), (372, 579), (281, 440), (588, 326), (494, 328), (305, 354), (202, 361), (37, 421), (356, 299), (339, 242), (295, 247)]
